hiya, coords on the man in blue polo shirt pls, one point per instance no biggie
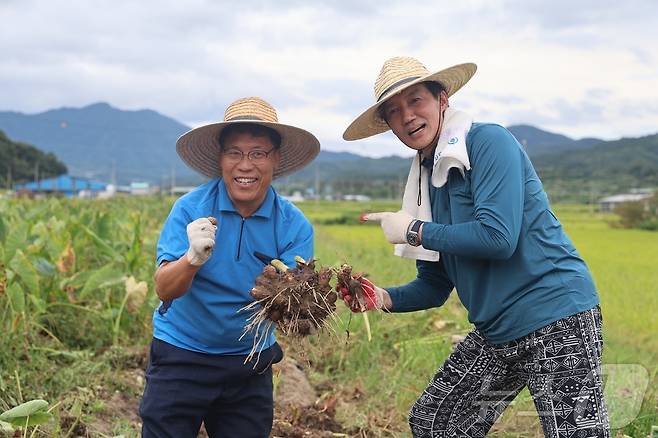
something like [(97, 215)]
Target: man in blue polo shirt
[(475, 217), (212, 247)]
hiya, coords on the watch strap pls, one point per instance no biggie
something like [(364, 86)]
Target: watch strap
[(415, 225), (413, 235)]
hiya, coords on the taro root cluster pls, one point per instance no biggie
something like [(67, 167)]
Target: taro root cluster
[(298, 300)]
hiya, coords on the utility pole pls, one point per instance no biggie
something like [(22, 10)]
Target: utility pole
[(173, 179), (36, 175), (11, 163), (317, 183), (113, 175)]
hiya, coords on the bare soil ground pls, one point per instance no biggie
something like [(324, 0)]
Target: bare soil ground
[(299, 412)]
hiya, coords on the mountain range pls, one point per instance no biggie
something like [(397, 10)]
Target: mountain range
[(106, 143), (99, 141)]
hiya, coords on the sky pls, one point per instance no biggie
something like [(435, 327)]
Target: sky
[(580, 68)]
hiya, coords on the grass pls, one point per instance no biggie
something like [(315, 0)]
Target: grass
[(407, 349), (78, 352)]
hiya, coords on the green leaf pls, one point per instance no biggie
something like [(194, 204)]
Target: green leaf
[(75, 281), (26, 409), (76, 409), (15, 240), (25, 270), (6, 427), (16, 296), (39, 305), (3, 231), (31, 420), (103, 226), (135, 251), (57, 239), (44, 267), (101, 244), (104, 277)]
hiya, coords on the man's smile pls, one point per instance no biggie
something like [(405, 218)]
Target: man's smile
[(244, 180), (417, 130)]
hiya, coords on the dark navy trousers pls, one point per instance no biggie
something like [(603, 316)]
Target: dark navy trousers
[(185, 388)]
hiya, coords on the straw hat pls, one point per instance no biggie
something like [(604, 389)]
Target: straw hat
[(396, 75), (199, 148)]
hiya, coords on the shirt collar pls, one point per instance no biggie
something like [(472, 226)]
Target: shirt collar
[(427, 163), (224, 203)]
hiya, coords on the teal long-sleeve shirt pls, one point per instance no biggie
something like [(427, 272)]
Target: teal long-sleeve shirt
[(502, 248)]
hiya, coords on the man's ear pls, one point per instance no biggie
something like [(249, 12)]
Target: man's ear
[(277, 158), (443, 100)]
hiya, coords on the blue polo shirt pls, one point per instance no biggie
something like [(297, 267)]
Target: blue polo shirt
[(501, 246), (207, 318)]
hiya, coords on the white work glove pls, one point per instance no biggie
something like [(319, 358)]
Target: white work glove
[(395, 225), (201, 235)]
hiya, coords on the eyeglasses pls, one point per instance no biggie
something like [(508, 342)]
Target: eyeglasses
[(256, 156)]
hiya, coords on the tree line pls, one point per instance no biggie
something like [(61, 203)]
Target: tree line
[(22, 162)]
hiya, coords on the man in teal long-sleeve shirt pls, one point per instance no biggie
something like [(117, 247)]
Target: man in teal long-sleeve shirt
[(488, 232)]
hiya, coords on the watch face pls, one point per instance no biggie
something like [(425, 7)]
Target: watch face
[(412, 239)]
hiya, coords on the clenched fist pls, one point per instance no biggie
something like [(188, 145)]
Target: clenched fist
[(201, 236)]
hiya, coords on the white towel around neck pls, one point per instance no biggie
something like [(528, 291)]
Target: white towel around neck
[(450, 152)]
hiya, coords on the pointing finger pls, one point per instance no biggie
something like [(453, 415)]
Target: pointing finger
[(375, 216)]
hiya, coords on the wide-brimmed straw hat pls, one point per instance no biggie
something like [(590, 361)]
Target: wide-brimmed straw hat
[(200, 148), (396, 75)]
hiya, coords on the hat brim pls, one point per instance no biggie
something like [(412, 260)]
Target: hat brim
[(199, 148), (369, 123)]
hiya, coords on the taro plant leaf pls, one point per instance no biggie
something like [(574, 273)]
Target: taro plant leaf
[(6, 427), (15, 240), (31, 420), (40, 230), (24, 410), (104, 277), (75, 281), (16, 296), (3, 278), (136, 293), (22, 266), (3, 230), (104, 226), (38, 304), (101, 244), (58, 237), (44, 267), (76, 409), (66, 260), (135, 251)]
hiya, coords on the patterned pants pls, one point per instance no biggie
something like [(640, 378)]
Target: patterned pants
[(560, 364)]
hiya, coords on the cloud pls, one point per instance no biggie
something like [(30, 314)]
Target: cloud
[(579, 68)]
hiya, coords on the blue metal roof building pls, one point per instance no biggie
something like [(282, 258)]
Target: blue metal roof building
[(64, 184)]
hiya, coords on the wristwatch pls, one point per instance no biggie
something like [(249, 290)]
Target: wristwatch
[(413, 238)]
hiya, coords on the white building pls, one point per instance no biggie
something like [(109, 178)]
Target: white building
[(295, 197), (609, 203)]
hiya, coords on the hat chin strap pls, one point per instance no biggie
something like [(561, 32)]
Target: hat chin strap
[(432, 144), (429, 148)]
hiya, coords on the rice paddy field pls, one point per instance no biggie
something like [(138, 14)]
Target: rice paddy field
[(76, 297)]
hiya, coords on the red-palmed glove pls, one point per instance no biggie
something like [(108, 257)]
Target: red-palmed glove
[(361, 295)]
